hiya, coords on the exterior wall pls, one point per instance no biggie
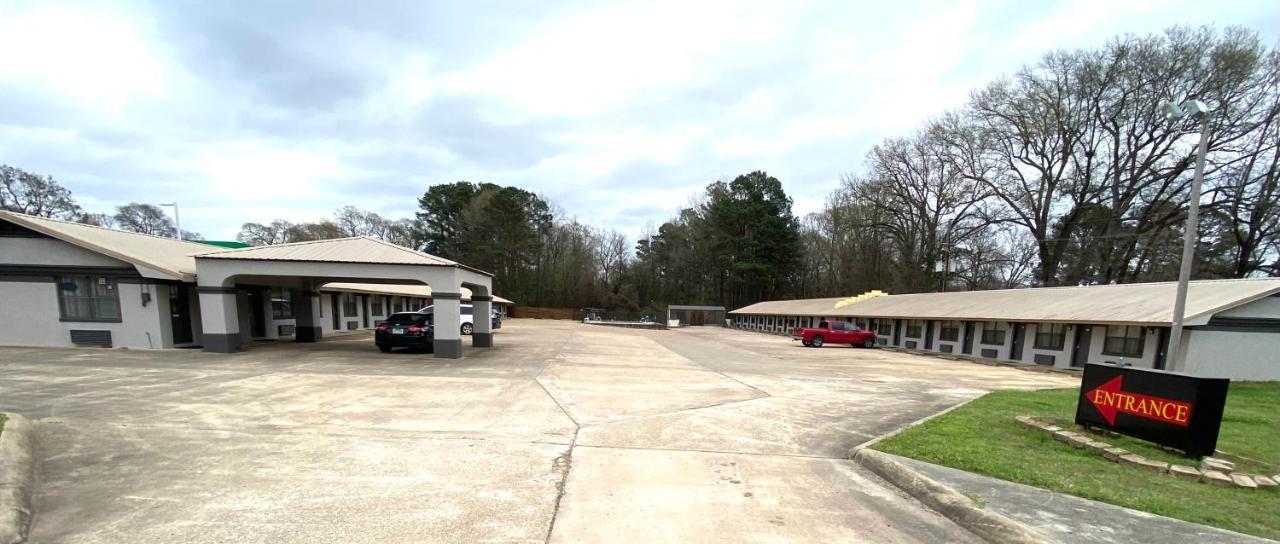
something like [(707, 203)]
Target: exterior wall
[(917, 341), (1267, 308), (1149, 349), (1232, 354), (938, 343), (31, 316), (1061, 357), (53, 252), (1002, 350)]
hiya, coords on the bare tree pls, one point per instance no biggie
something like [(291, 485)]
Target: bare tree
[(25, 192), (144, 219)]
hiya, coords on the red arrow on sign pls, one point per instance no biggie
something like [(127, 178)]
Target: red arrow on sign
[(1109, 398)]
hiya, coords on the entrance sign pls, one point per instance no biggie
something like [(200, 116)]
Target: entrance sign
[(1176, 410)]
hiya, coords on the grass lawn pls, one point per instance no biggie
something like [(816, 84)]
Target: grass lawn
[(982, 437)]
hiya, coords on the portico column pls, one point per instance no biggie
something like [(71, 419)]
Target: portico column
[(448, 324), (307, 315), (482, 321), (219, 319)]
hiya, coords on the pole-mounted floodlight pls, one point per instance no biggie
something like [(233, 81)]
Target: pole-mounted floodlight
[(1197, 110), (177, 223)]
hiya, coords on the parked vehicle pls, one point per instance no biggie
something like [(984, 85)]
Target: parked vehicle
[(834, 332), (468, 320), (405, 330)]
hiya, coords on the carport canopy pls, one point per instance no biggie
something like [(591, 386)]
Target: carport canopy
[(309, 265)]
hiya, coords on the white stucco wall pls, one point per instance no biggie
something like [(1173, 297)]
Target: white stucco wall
[(31, 316), (52, 252), (1147, 360), (1268, 307), (1232, 354)]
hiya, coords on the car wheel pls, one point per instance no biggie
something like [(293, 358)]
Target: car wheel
[(384, 349), (816, 342), (466, 328), (869, 343)]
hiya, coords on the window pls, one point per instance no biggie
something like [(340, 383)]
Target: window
[(281, 303), (398, 305), (884, 328), (993, 333), (1125, 341), (348, 305), (375, 307), (1051, 336), (950, 331), (914, 327), (88, 298)]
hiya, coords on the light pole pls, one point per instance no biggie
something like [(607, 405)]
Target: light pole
[(1197, 110), (177, 223)]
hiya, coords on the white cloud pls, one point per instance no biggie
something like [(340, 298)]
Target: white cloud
[(621, 112)]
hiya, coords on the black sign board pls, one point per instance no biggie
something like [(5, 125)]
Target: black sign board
[(1176, 410)]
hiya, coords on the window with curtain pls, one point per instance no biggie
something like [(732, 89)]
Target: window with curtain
[(1051, 336), (993, 333), (88, 298), (950, 331), (348, 305), (281, 303), (915, 328), (375, 306), (1124, 340)]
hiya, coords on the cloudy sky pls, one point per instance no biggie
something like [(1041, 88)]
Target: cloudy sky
[(617, 112)]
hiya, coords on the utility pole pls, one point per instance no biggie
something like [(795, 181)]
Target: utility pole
[(1199, 111)]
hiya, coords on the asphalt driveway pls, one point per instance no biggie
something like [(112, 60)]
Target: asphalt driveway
[(563, 432)]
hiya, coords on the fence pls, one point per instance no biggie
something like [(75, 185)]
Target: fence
[(536, 312)]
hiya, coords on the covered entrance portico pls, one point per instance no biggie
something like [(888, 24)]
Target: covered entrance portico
[(307, 266)]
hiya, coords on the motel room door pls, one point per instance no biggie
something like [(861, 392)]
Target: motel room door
[(180, 313), (1019, 339), (257, 312), (1080, 349)]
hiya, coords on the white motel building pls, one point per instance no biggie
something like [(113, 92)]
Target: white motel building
[(1231, 327), (66, 284)]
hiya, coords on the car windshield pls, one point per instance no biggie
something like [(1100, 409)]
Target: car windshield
[(406, 319)]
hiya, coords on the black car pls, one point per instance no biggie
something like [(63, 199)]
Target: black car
[(405, 330)]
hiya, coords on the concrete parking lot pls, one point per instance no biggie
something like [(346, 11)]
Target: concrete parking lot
[(563, 432)]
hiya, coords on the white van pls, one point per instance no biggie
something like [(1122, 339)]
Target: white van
[(468, 319)]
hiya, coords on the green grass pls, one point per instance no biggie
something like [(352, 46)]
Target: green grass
[(2, 423), (982, 437)]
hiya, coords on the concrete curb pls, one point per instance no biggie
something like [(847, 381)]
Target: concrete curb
[(17, 478), (991, 526)]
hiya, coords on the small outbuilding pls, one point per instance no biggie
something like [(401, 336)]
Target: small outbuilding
[(696, 316)]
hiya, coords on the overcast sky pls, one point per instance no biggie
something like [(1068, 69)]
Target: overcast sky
[(617, 112)]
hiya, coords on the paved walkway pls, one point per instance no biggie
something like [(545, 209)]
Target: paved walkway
[(563, 432), (1073, 520)]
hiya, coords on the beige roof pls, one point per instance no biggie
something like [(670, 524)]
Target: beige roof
[(1134, 303), (167, 257), (408, 290), (357, 249)]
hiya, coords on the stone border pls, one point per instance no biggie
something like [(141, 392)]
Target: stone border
[(989, 526), (17, 478), (1213, 471)]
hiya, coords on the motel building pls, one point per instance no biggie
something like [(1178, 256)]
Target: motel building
[(1231, 328), (65, 284)]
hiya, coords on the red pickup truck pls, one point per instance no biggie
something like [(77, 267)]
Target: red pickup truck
[(838, 332)]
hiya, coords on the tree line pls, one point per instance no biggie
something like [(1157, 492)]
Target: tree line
[(1062, 173)]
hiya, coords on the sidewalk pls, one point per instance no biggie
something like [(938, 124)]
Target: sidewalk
[(1073, 520)]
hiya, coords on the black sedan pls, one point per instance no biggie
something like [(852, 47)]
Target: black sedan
[(405, 330)]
